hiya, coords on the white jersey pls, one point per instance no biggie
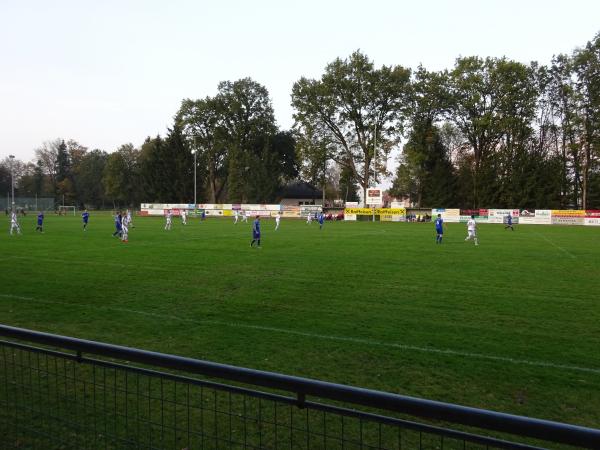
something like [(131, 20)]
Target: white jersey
[(14, 223), (471, 225), (125, 228), (277, 218)]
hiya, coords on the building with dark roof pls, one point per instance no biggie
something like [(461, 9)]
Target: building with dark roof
[(300, 192)]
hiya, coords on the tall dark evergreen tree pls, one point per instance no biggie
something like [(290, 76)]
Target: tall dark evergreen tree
[(63, 163)]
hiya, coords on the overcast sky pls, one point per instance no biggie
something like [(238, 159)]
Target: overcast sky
[(110, 72)]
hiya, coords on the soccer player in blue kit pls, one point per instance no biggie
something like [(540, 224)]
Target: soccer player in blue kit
[(439, 229), (256, 232), (118, 228), (509, 222), (40, 222), (85, 216), (321, 219)]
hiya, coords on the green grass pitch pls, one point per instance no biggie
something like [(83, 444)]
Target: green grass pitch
[(511, 325)]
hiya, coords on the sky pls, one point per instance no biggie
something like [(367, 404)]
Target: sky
[(106, 73)]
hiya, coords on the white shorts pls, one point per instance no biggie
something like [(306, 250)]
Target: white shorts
[(472, 233)]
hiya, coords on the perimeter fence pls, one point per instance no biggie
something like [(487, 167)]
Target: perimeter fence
[(58, 392)]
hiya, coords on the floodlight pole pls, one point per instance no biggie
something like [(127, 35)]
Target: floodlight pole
[(12, 180), (375, 162), (195, 153), (195, 190)]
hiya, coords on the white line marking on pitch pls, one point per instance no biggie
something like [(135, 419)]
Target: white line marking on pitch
[(555, 245), (507, 359)]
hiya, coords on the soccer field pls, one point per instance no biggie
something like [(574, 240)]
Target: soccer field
[(511, 325)]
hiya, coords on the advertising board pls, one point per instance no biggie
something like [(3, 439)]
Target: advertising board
[(568, 217), (374, 197), (448, 215), (500, 215)]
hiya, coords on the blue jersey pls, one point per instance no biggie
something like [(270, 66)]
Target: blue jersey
[(256, 229), (439, 224), (85, 216), (509, 219), (118, 221), (321, 218), (40, 219)]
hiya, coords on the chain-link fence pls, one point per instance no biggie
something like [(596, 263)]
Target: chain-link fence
[(28, 203)]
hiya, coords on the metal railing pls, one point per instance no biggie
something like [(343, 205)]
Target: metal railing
[(51, 398)]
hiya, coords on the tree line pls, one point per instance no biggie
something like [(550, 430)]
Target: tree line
[(489, 132)]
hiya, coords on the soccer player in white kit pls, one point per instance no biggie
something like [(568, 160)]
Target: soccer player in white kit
[(14, 223), (125, 227), (309, 218), (169, 218), (277, 220), (472, 230), (129, 219), (235, 216), (244, 217), (183, 217)]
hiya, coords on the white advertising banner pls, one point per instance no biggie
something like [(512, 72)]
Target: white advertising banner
[(261, 213), (465, 218), (305, 210), (448, 215), (349, 216), (499, 215), (527, 220), (543, 216), (592, 221)]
